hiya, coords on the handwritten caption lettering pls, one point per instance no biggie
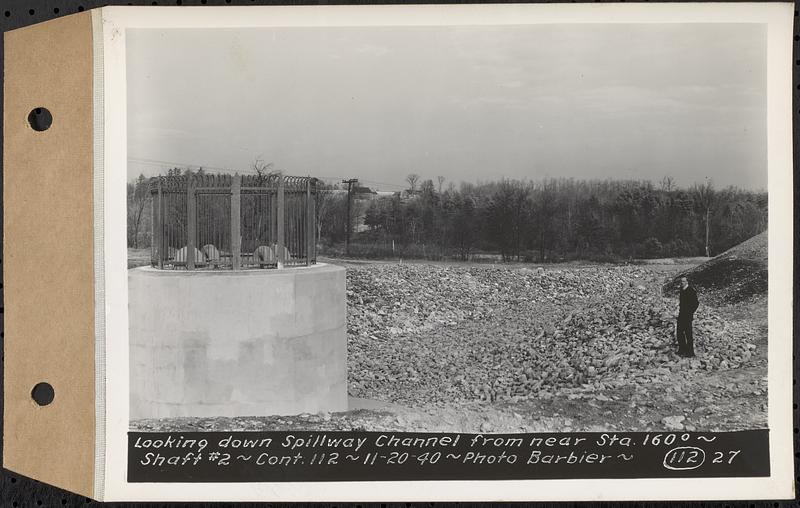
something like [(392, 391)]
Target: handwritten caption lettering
[(331, 456)]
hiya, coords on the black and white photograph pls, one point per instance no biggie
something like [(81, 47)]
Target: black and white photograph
[(470, 228), (540, 228)]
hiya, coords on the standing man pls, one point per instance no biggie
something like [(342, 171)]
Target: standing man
[(688, 304)]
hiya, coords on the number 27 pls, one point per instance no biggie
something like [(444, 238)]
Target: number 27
[(719, 456)]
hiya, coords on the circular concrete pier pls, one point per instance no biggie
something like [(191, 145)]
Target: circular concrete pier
[(237, 343)]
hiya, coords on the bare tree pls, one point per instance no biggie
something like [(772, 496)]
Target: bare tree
[(667, 184), (137, 200), (546, 209), (440, 179), (508, 212), (704, 197), (324, 201), (412, 180), (264, 170)]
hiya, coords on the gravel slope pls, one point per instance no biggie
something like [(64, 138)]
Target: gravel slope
[(459, 348)]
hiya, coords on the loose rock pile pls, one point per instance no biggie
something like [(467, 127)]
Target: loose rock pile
[(431, 333), (739, 274)]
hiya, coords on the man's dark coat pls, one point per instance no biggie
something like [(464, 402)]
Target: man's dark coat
[(688, 303)]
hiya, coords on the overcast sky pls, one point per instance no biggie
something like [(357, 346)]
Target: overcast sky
[(467, 103)]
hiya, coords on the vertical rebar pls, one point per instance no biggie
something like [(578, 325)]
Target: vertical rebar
[(158, 228), (236, 222), (280, 245), (201, 221), (191, 220), (310, 233)]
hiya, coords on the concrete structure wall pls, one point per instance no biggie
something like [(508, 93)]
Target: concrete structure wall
[(237, 343)]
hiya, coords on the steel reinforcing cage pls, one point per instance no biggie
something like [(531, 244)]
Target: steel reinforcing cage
[(233, 221)]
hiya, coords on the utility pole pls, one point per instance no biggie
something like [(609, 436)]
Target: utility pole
[(349, 183)]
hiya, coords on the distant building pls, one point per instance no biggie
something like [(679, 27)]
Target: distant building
[(362, 192), (407, 195)]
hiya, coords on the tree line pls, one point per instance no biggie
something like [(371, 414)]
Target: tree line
[(549, 220), (561, 219)]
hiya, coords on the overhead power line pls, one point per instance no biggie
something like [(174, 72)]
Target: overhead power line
[(174, 164)]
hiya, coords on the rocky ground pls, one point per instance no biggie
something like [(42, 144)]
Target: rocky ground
[(735, 276), (495, 348)]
